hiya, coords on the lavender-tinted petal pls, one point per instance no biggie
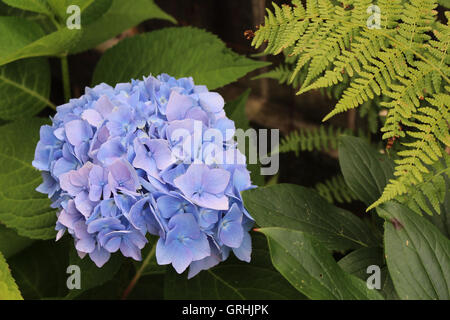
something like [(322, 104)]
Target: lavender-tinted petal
[(110, 151), (215, 181), (78, 131), (177, 106), (245, 249), (211, 101), (113, 244), (100, 256), (93, 117), (211, 201)]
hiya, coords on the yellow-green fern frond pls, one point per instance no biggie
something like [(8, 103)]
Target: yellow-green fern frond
[(321, 139), (425, 196), (405, 60)]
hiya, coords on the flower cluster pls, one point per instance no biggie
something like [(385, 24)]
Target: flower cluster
[(152, 156)]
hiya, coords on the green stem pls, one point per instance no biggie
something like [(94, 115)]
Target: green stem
[(65, 77), (138, 275)]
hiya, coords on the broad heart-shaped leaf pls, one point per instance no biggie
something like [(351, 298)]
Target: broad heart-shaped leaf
[(11, 243), (235, 110), (39, 6), (179, 52), (16, 33), (21, 207), (91, 275), (121, 15), (41, 269), (233, 280), (365, 170), (24, 88), (22, 38), (357, 262), (299, 208), (8, 287), (311, 269), (417, 254)]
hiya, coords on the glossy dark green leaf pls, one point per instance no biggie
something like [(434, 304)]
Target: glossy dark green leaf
[(11, 243), (417, 254), (311, 269), (233, 280), (357, 262), (299, 208), (365, 170)]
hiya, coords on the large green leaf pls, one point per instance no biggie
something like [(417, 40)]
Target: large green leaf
[(22, 38), (233, 280), (365, 170), (6, 10), (417, 254), (39, 6), (8, 287), (357, 262), (41, 269), (21, 207), (122, 15), (311, 269), (93, 12), (11, 243), (24, 88), (16, 33), (90, 9), (179, 52), (299, 208)]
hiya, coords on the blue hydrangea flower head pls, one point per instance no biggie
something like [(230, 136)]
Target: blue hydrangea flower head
[(154, 156)]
